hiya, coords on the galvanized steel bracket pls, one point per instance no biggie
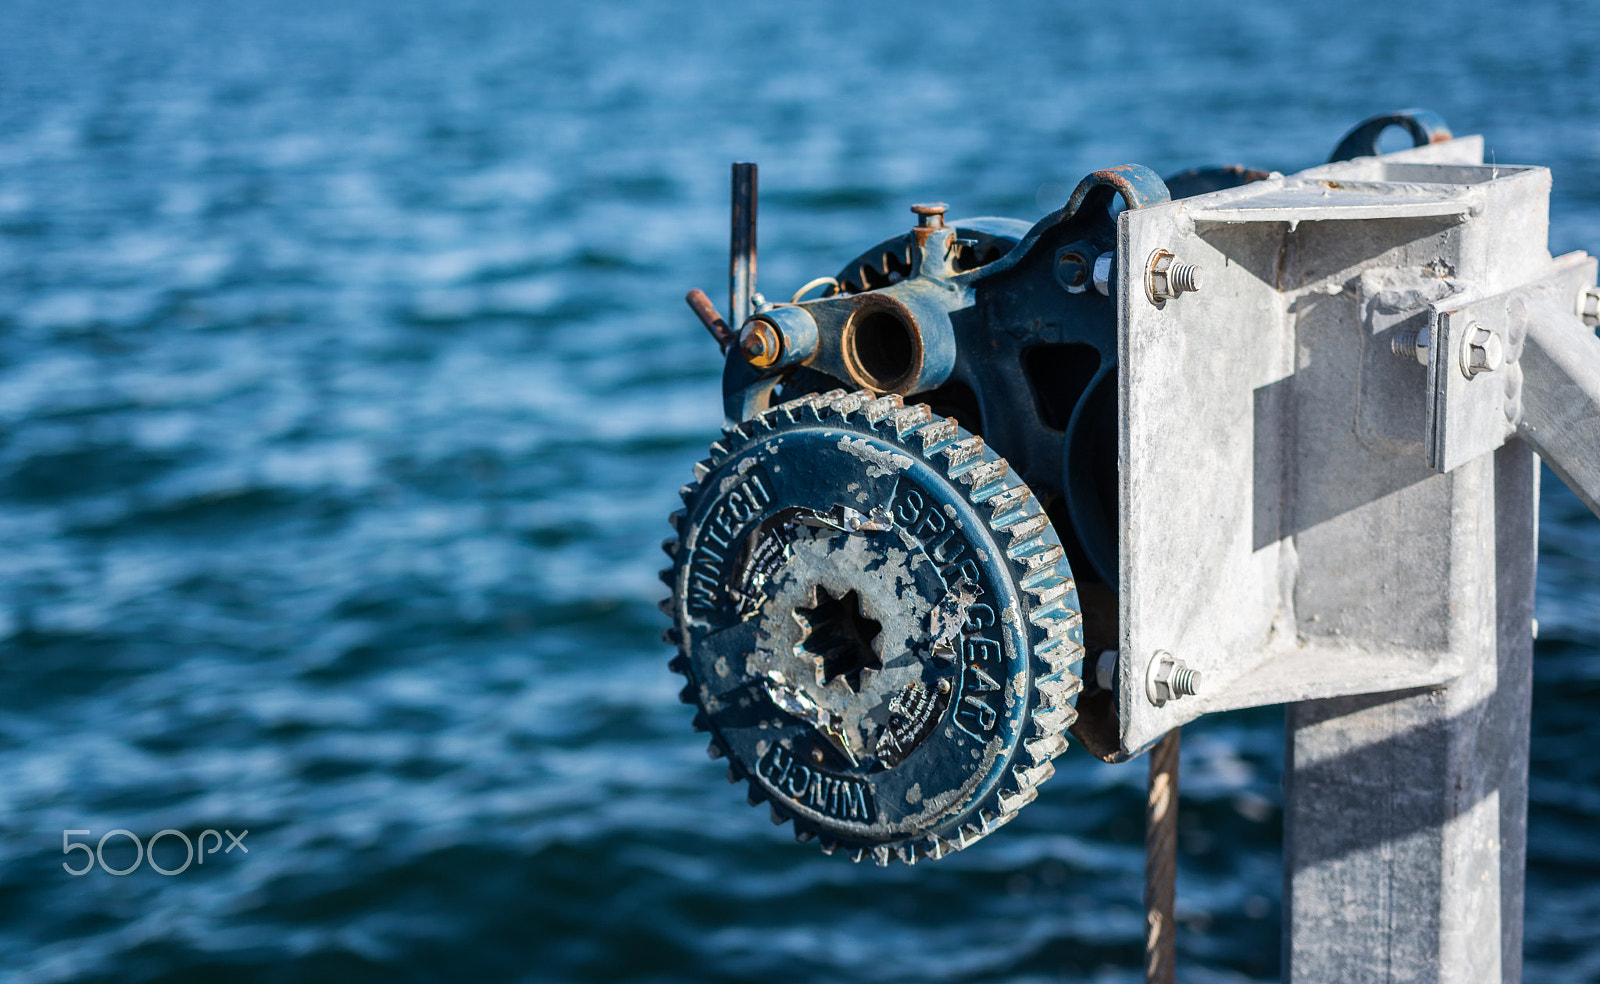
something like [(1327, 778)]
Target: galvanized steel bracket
[(1282, 528), (1471, 416)]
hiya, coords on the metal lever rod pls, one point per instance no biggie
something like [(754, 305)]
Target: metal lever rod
[(1560, 365), (703, 309), (742, 244)]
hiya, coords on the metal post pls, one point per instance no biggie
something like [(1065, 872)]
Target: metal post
[(1405, 813), (742, 244)]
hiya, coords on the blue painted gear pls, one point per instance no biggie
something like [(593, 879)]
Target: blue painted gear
[(877, 623)]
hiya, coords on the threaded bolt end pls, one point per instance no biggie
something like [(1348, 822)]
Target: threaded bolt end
[(1404, 344), (1182, 277), (1185, 681)]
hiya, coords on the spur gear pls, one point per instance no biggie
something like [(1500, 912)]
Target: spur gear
[(981, 241), (877, 624)]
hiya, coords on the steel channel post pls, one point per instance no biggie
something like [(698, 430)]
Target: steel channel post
[(1405, 813)]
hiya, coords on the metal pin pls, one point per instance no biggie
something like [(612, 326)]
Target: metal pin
[(742, 242)]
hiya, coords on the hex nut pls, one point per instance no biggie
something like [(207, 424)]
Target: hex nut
[(1166, 278), (760, 343), (1169, 678)]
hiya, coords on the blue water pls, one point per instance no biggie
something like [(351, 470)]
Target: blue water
[(345, 386)]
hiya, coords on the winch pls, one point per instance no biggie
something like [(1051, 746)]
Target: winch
[(873, 581), (992, 483)]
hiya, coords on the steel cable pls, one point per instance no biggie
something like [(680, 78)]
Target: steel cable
[(1161, 861)]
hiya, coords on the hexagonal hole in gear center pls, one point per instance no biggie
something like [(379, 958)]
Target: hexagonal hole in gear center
[(839, 635)]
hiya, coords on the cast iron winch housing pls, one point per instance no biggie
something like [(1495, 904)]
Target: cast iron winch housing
[(887, 574)]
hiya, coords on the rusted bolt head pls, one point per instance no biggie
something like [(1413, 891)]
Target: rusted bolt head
[(930, 214), (760, 343)]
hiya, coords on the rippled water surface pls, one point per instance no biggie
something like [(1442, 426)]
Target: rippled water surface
[(345, 386)]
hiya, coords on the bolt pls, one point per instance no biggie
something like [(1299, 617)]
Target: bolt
[(817, 756), (1072, 271), (944, 685), (1409, 344), (1102, 273), (930, 215), (1166, 278), (760, 342), (1169, 678), (1589, 306), (1483, 352)]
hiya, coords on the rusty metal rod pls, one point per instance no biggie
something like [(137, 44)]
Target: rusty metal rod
[(1161, 861), (742, 244), (707, 312)]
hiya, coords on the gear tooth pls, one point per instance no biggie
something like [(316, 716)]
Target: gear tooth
[(701, 470), (701, 723), (963, 454), (907, 853), (1042, 750), (882, 407), (1036, 553), (687, 492), (778, 817), (1043, 579), (671, 636), (990, 818), (814, 406), (753, 795), (733, 772), (719, 451), (687, 695), (970, 833), (1003, 503), (1022, 527), (664, 606), (880, 855), (1053, 720), (939, 432), (827, 845), (907, 419), (787, 407), (1057, 692), (669, 546), (1048, 592), (715, 750), (667, 577), (935, 847), (1056, 617), (1035, 775), (857, 854), (679, 664), (676, 519), (850, 402), (1011, 802), (1059, 653), (983, 476), (804, 835)]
